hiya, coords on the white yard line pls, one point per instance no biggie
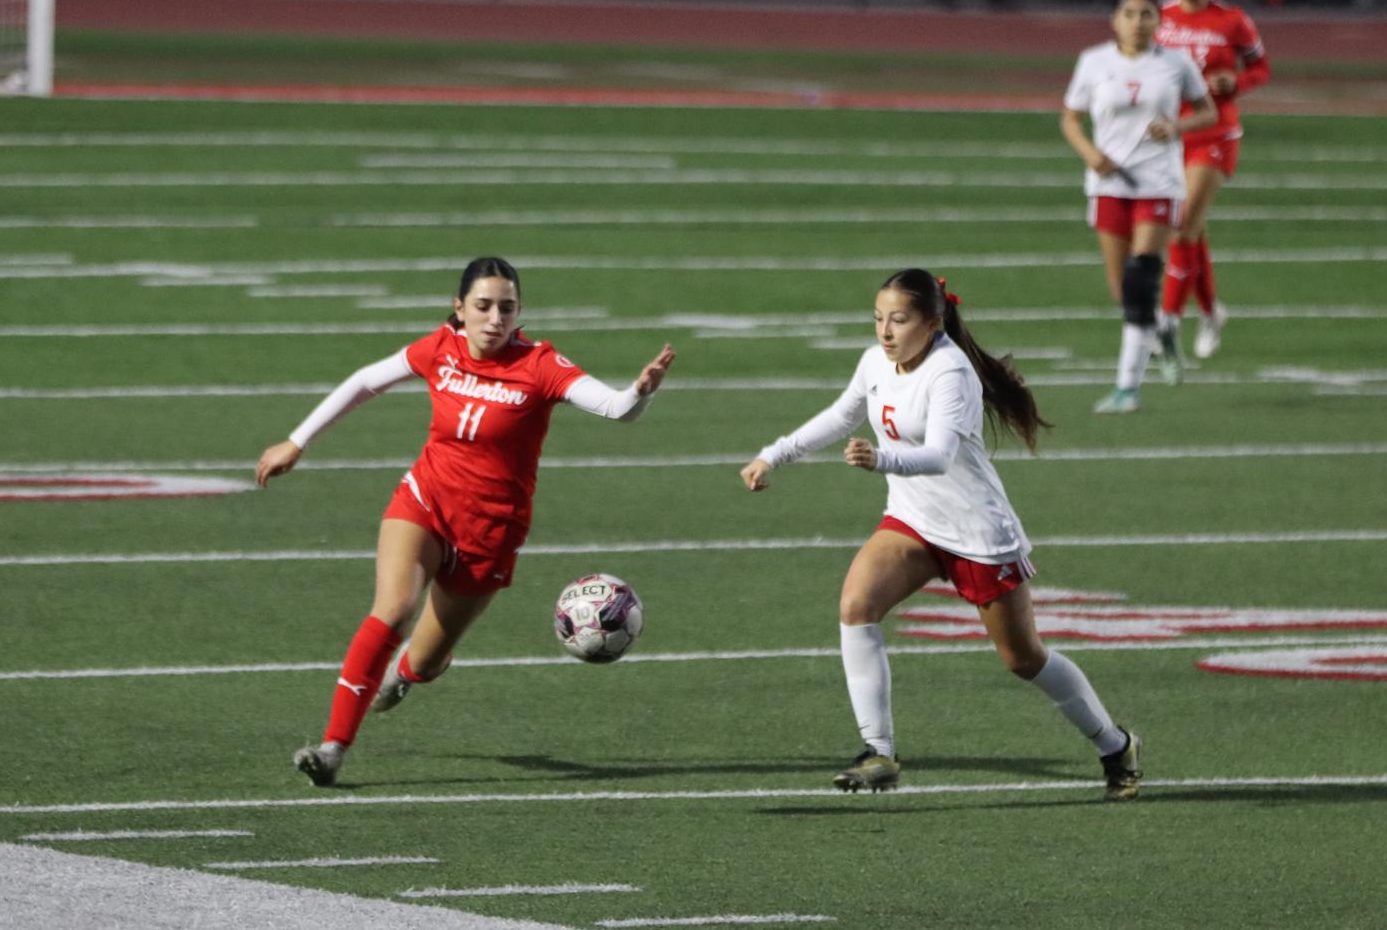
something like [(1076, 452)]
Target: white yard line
[(716, 920), (240, 280), (137, 221), (499, 891), (47, 888), (202, 330), (652, 546), (320, 863), (747, 263), (599, 319), (628, 177), (822, 217), (318, 290), (1195, 642), (746, 794), (725, 145), (515, 160), (80, 836), (190, 390), (719, 459), (441, 304), (1073, 376)]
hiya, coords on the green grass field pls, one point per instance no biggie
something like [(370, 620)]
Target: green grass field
[(155, 267)]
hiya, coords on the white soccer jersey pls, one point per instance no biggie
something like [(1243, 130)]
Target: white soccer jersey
[(964, 510), (1123, 96)]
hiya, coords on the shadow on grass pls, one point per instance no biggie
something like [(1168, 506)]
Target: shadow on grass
[(545, 768)]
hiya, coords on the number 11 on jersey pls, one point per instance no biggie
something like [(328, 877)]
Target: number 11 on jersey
[(469, 420)]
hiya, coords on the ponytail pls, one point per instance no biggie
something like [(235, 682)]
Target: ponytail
[(1005, 396)]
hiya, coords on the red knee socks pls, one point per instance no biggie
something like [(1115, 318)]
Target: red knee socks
[(1181, 272), (362, 671), (408, 673), (1204, 280)]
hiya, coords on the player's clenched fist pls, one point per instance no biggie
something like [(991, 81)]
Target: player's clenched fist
[(860, 454), (754, 475), (276, 460)]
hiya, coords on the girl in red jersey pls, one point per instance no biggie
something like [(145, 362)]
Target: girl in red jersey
[(1225, 45), (1132, 91), (462, 510)]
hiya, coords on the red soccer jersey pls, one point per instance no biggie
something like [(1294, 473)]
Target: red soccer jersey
[(1218, 38), (490, 417)]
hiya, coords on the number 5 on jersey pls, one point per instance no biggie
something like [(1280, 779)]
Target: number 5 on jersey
[(888, 426), (469, 420)]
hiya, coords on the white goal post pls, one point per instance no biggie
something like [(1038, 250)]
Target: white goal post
[(26, 47)]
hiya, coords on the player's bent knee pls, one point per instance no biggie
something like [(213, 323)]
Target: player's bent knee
[(1023, 665), (1141, 289), (857, 611)]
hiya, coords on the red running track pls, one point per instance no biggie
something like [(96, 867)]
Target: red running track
[(1288, 37)]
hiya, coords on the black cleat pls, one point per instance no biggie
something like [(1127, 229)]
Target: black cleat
[(1123, 769), (870, 770)]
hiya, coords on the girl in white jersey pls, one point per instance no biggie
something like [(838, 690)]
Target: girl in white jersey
[(1131, 89), (926, 390)]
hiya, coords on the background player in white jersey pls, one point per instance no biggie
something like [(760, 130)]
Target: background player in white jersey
[(926, 388), (1131, 89)]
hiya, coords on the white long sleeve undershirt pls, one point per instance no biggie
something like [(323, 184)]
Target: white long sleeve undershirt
[(586, 393), (943, 431), (360, 386), (589, 394), (933, 458), (832, 424)]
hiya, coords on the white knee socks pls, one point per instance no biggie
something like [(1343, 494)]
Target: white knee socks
[(869, 684), (1066, 685), (1134, 354)]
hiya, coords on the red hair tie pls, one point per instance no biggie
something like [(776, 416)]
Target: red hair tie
[(951, 298)]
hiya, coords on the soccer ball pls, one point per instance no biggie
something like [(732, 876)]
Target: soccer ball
[(598, 617)]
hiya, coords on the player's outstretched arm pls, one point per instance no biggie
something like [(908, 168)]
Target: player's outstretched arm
[(277, 460), (359, 387), (653, 375)]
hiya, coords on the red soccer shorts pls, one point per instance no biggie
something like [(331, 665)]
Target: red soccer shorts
[(977, 582), (1221, 154), (468, 574), (1118, 216)]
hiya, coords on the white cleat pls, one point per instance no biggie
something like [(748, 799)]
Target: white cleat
[(1121, 400), (1210, 335), (320, 763), (395, 686), (1171, 364), (392, 692)]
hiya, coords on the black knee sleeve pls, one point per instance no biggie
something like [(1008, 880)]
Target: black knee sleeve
[(1141, 289)]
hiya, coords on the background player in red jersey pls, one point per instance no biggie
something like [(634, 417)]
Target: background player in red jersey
[(1224, 43), (462, 511)]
